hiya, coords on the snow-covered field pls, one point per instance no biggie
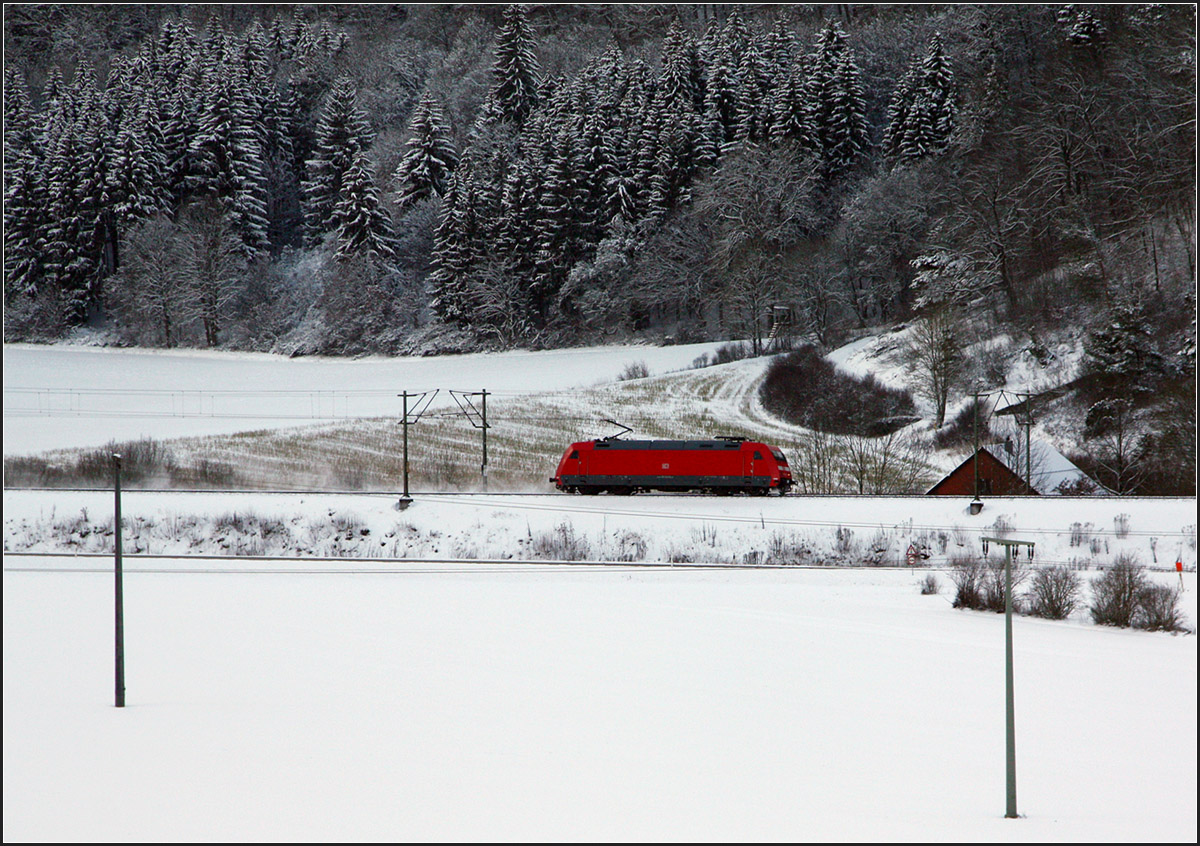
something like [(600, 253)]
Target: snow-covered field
[(1086, 534), (527, 702), (62, 397), (370, 698)]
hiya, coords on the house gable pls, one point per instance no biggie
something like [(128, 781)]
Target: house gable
[(995, 479)]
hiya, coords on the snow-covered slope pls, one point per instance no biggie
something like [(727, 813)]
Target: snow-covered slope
[(65, 397)]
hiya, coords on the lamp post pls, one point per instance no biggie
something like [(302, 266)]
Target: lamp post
[(1010, 740)]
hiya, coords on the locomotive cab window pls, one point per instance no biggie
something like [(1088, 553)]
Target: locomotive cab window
[(757, 455), (574, 453)]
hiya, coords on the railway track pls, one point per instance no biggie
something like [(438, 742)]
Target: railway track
[(547, 493), (392, 566)]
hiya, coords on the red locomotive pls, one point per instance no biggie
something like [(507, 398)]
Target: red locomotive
[(724, 465)]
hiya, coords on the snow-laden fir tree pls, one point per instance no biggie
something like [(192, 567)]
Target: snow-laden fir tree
[(342, 133), (721, 105), (24, 198), (20, 134), (24, 224), (77, 237), (517, 226), (677, 84), (1081, 26), (362, 225), (923, 108), (779, 59), (792, 113), (839, 107), (430, 157), (515, 73), (1123, 347), (226, 154), (557, 237), (453, 244), (753, 88), (137, 169)]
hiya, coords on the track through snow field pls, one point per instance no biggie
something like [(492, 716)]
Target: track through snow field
[(312, 703), (533, 413)]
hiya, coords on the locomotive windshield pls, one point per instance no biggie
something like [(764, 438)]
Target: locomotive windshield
[(778, 453)]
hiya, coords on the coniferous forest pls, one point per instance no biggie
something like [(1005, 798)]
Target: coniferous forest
[(436, 178)]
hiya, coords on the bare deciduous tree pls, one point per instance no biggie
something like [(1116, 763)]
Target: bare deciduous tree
[(935, 351), (216, 264), (761, 202), (1119, 449), (152, 295)]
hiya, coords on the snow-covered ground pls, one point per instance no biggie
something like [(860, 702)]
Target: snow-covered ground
[(1084, 533), (527, 702), (62, 397), (368, 698)]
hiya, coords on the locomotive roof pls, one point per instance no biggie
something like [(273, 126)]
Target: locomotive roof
[(622, 443)]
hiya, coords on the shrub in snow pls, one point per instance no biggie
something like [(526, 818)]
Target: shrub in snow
[(634, 370), (1158, 609), (678, 555), (232, 521), (787, 549), (1115, 594), (561, 544), (733, 351), (930, 585), (631, 546), (844, 545), (805, 388), (995, 581), (968, 574), (974, 420), (1054, 593)]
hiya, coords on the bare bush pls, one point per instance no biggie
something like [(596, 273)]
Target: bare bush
[(787, 548), (634, 370), (930, 585), (968, 574), (733, 351), (1054, 593), (995, 584), (1158, 610), (561, 544), (1115, 594), (806, 389), (631, 547)]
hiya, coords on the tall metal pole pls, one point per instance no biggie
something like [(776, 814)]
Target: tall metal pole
[(1028, 437), (120, 602), (1009, 718), (483, 416), (405, 423), (975, 428)]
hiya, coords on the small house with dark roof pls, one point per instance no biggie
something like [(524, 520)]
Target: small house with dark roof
[(1001, 469)]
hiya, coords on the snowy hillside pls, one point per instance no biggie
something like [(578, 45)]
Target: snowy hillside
[(63, 397)]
